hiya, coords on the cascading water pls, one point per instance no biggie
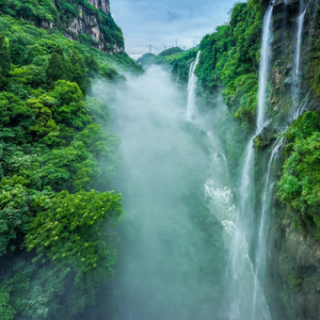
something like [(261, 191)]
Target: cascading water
[(191, 109), (256, 306), (242, 278), (218, 191), (264, 66), (297, 58), (264, 224)]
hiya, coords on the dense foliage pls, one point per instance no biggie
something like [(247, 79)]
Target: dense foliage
[(55, 149), (299, 187), (230, 58)]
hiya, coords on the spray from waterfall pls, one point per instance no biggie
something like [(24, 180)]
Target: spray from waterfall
[(168, 252), (191, 109)]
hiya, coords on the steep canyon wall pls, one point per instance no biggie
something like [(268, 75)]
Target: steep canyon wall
[(287, 142)]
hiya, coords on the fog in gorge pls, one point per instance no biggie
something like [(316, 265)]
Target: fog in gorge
[(172, 255), (181, 251)]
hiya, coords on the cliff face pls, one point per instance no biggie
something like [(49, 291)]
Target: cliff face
[(293, 249), (94, 24), (230, 61), (90, 24), (104, 5), (86, 21), (294, 260)]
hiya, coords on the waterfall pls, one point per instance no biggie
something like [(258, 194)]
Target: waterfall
[(237, 221), (297, 58), (264, 66), (241, 268), (264, 224), (191, 109)]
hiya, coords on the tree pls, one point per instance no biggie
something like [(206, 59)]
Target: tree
[(77, 71), (5, 59), (92, 65), (25, 12), (56, 68), (68, 226)]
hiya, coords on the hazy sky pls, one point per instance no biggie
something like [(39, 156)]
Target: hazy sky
[(161, 22)]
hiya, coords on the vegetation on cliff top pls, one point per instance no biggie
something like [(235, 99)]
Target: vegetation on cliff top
[(59, 14)]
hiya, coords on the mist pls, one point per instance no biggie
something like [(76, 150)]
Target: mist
[(171, 252)]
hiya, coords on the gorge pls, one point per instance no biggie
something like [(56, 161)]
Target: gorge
[(182, 186)]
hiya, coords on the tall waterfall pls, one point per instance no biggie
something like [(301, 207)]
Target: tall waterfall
[(297, 59), (255, 307), (218, 190), (266, 199), (191, 109), (264, 66)]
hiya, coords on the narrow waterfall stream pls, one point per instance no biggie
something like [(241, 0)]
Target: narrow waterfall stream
[(297, 61), (261, 251), (241, 269), (264, 66), (191, 108)]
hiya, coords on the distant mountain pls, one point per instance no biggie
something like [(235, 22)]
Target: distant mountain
[(148, 59), (171, 51)]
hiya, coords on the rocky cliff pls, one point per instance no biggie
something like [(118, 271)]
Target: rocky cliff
[(294, 256), (230, 62), (85, 21)]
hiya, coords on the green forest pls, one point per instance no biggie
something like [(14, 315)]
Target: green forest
[(57, 160)]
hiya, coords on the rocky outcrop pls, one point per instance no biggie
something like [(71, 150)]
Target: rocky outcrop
[(104, 35), (104, 5), (87, 24), (90, 24)]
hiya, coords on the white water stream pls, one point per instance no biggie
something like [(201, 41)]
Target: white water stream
[(191, 109), (297, 58), (259, 308), (264, 66), (261, 252)]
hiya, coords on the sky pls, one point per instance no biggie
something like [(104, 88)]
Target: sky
[(160, 23)]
